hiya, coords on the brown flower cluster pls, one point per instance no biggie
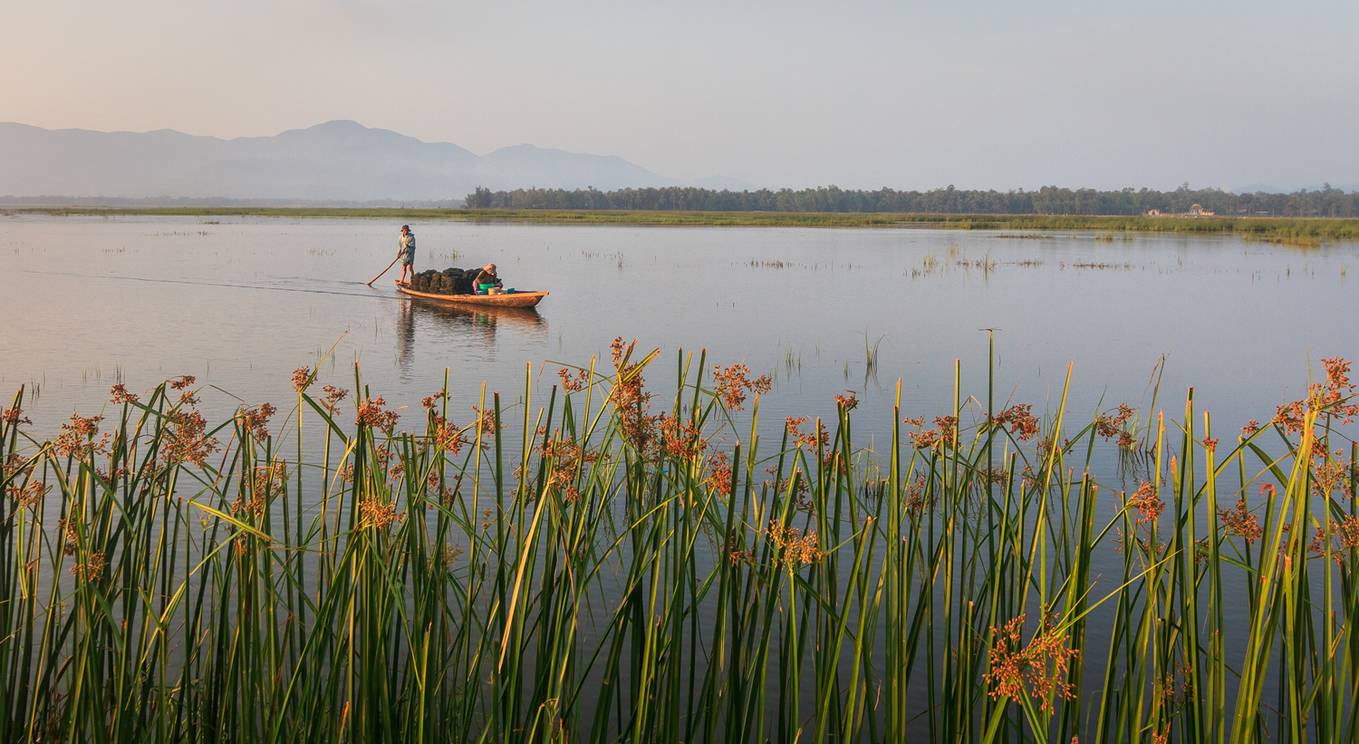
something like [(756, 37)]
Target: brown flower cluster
[(1335, 397), (1343, 536), (737, 554), (1250, 429), (565, 457), (1046, 447), (113, 475), (182, 382), (255, 421), (940, 435), (333, 396), (1110, 425), (573, 383), (14, 466), (483, 422), (795, 546), (265, 483), (796, 481), (1175, 687), (916, 501), (271, 478), (118, 395), (996, 476), (809, 440), (629, 398), (1125, 440), (302, 379), (188, 441), (1291, 416), (29, 494), (377, 514), (70, 535), (847, 402), (1338, 395), (1038, 669), (719, 474), (77, 437), (14, 417), (89, 569), (1330, 471), (1239, 521), (1147, 503), (431, 401), (1019, 420), (734, 384), (681, 439), (447, 436), (372, 414)]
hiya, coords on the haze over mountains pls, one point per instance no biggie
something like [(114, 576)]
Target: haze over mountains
[(338, 161)]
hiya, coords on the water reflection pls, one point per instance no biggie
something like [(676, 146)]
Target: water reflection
[(460, 326)]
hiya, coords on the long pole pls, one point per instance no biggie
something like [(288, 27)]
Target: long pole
[(384, 271)]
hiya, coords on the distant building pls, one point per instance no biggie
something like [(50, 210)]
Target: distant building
[(1196, 210)]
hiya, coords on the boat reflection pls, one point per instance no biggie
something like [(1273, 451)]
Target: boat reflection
[(461, 325)]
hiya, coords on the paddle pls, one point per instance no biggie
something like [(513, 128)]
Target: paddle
[(384, 271)]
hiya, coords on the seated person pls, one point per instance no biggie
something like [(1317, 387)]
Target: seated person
[(486, 279)]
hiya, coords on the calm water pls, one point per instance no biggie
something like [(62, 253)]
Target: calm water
[(88, 302)]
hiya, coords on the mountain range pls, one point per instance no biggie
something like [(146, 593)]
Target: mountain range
[(338, 161)]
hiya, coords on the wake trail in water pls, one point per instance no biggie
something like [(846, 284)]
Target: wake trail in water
[(195, 283)]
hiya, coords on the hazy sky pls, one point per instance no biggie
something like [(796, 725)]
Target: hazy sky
[(862, 94)]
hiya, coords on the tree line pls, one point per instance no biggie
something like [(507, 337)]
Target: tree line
[(1324, 202)]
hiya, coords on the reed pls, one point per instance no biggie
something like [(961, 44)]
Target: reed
[(606, 565)]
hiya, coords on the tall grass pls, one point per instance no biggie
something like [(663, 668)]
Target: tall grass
[(606, 566)]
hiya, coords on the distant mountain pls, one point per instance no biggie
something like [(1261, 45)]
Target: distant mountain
[(339, 161)]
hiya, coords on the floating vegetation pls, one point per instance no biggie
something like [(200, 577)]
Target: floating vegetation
[(1100, 265), (769, 264), (613, 564), (1291, 239)]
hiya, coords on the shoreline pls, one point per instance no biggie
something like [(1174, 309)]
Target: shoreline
[(1296, 231)]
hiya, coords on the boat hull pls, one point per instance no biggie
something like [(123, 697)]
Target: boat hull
[(518, 299)]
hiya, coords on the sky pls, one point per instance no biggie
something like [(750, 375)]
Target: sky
[(974, 93)]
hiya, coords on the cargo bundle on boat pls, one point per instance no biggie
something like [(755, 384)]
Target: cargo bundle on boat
[(449, 281), (455, 285)]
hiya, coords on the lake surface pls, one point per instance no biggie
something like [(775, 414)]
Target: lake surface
[(88, 302)]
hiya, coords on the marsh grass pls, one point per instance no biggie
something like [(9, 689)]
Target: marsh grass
[(1297, 231), (605, 565)]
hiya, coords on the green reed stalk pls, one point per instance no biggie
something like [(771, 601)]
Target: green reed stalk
[(603, 574)]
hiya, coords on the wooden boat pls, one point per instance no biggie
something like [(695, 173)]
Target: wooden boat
[(518, 299)]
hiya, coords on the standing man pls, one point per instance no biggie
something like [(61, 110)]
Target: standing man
[(406, 252)]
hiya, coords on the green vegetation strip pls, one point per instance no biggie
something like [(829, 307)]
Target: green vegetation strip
[(597, 567), (1303, 231)]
